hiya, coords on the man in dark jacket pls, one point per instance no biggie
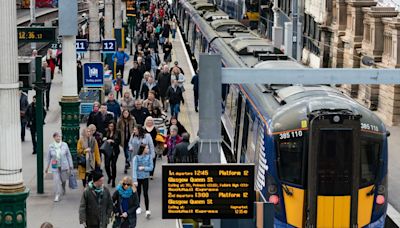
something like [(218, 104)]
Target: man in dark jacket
[(31, 121), (23, 107), (139, 112), (96, 204), (102, 119), (181, 152), (195, 82), (164, 81), (113, 106), (174, 96), (176, 65), (135, 79)]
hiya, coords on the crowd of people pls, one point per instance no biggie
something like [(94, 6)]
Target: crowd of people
[(132, 120)]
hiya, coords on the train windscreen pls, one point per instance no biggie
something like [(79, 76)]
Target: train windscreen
[(291, 161), (369, 161), (335, 162)]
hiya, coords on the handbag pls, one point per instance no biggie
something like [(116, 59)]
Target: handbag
[(106, 149), (73, 184), (81, 159)]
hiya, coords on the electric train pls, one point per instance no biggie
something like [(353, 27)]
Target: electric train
[(321, 158)]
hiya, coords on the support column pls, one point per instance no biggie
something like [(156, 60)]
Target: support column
[(108, 20), (119, 36), (210, 112), (94, 31), (70, 100), (13, 193), (277, 30), (108, 28)]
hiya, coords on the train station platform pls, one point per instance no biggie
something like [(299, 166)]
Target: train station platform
[(23, 15), (64, 214)]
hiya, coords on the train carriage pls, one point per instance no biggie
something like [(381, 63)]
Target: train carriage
[(320, 157)]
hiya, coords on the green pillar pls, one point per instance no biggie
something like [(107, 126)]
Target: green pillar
[(13, 209), (70, 124), (40, 88)]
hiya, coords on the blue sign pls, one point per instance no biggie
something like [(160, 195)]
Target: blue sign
[(86, 108), (93, 75), (82, 45), (108, 46)]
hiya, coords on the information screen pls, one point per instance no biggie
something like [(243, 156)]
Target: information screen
[(36, 34), (207, 191)]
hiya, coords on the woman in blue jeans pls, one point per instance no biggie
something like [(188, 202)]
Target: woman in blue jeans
[(142, 166)]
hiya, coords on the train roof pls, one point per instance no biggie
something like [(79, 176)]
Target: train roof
[(224, 25), (249, 45), (204, 6), (217, 15)]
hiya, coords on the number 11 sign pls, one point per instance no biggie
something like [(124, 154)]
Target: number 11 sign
[(81, 45), (108, 46)]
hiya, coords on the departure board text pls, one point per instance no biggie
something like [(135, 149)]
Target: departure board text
[(208, 191)]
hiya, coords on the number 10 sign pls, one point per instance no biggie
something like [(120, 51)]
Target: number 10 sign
[(108, 46)]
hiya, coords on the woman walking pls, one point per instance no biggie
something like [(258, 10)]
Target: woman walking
[(149, 128), (125, 201), (142, 166), (127, 101), (88, 156), (140, 137), (111, 159), (172, 140), (59, 157), (125, 125)]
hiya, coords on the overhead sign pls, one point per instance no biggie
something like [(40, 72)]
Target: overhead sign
[(108, 46), (82, 45), (207, 191), (36, 34), (93, 75), (130, 8)]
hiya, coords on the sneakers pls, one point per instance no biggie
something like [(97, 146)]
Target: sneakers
[(57, 198), (148, 213), (139, 210)]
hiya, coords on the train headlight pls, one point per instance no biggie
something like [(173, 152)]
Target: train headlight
[(272, 189), (380, 199), (274, 199), (381, 189), (336, 119)]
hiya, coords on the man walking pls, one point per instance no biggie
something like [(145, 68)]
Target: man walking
[(120, 57), (181, 153), (31, 121), (23, 107), (174, 96), (195, 82), (96, 204)]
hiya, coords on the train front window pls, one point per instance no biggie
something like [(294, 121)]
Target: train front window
[(369, 161), (290, 161)]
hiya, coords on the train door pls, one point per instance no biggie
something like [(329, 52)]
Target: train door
[(239, 127), (333, 169)]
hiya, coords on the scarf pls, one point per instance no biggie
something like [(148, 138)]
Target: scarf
[(90, 161), (57, 148), (124, 193)]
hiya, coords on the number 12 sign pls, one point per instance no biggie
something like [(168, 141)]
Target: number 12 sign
[(109, 46)]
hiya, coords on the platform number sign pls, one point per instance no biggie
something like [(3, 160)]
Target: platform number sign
[(109, 46), (81, 45)]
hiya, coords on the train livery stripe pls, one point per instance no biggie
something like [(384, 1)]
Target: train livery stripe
[(294, 206), (333, 211), (365, 203)]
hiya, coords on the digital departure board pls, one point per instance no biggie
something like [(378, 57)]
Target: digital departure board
[(207, 191), (36, 34)]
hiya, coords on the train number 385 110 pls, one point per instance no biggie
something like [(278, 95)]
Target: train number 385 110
[(291, 134)]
